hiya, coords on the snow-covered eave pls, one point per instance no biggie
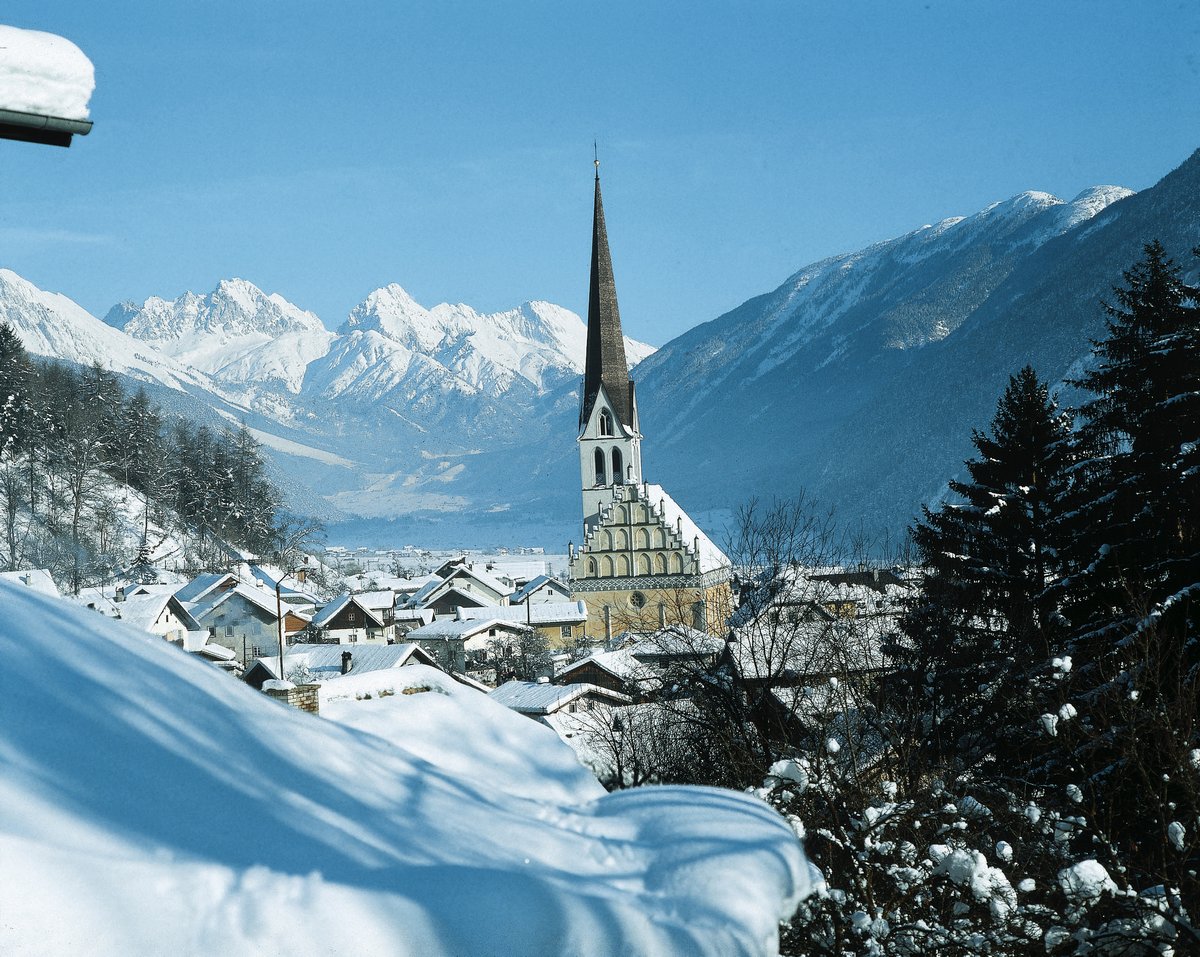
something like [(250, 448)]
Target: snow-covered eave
[(40, 128)]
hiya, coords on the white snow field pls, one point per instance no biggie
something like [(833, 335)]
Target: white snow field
[(44, 74), (152, 805)]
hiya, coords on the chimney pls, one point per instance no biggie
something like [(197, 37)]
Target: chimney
[(120, 595), (347, 661)]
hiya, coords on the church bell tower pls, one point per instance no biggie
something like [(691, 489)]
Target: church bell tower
[(610, 441)]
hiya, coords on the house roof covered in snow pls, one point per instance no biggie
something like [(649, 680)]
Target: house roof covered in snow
[(442, 629), (535, 613), (324, 662), (534, 585), (258, 597), (142, 611), (534, 697), (36, 578), (201, 585)]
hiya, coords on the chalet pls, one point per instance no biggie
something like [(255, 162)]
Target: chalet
[(677, 645), (451, 640), (347, 620), (539, 589), (540, 699), (561, 622), (616, 671), (461, 587), (243, 618)]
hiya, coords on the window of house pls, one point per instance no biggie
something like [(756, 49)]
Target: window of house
[(566, 631), (606, 428), (229, 631)]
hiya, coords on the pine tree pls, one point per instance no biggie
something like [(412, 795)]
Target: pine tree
[(983, 616), (1132, 526)]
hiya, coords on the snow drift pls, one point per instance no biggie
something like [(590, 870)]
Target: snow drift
[(150, 804)]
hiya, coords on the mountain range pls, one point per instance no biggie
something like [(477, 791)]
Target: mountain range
[(858, 380)]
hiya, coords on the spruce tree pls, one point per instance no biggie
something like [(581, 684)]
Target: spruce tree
[(983, 616), (1132, 593)]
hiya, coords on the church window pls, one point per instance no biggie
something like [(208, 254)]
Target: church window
[(637, 599), (625, 569), (608, 539), (643, 538), (622, 518), (644, 565), (660, 538), (608, 566), (622, 539), (618, 472), (591, 566), (677, 563), (606, 428), (661, 561), (600, 479)]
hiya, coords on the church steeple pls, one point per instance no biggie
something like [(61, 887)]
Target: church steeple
[(610, 442), (606, 365)]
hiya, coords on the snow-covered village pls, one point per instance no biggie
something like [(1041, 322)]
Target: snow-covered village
[(535, 573)]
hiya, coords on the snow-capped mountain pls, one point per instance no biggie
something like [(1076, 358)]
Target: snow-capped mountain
[(237, 333), (860, 378), (49, 324)]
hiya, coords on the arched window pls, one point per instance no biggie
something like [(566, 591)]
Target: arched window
[(600, 479), (662, 563), (592, 567), (625, 569), (622, 539), (605, 423), (677, 563), (644, 565), (643, 538), (618, 472), (608, 566), (607, 539)]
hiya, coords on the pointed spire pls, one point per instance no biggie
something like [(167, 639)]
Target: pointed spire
[(606, 363)]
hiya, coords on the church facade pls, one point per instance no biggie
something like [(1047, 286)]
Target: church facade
[(643, 563)]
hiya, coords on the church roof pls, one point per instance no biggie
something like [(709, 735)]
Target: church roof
[(708, 554), (606, 365)]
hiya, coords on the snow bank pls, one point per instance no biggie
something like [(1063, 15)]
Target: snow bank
[(44, 74), (151, 804)]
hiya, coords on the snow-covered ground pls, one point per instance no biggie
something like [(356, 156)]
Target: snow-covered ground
[(150, 805), (44, 74)]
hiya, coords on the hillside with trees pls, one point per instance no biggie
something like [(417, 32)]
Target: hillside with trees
[(97, 481)]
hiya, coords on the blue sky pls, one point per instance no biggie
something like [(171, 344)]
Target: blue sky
[(324, 149)]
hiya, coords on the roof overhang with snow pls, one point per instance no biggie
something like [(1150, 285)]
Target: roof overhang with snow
[(45, 84)]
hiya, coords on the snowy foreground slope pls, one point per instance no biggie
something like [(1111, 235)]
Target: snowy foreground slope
[(149, 804)]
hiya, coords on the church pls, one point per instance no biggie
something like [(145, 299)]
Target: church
[(643, 562)]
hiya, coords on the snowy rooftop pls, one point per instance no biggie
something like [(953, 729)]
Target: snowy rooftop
[(521, 594), (36, 578), (539, 697), (443, 628), (44, 74), (535, 613), (430, 823), (324, 662)]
